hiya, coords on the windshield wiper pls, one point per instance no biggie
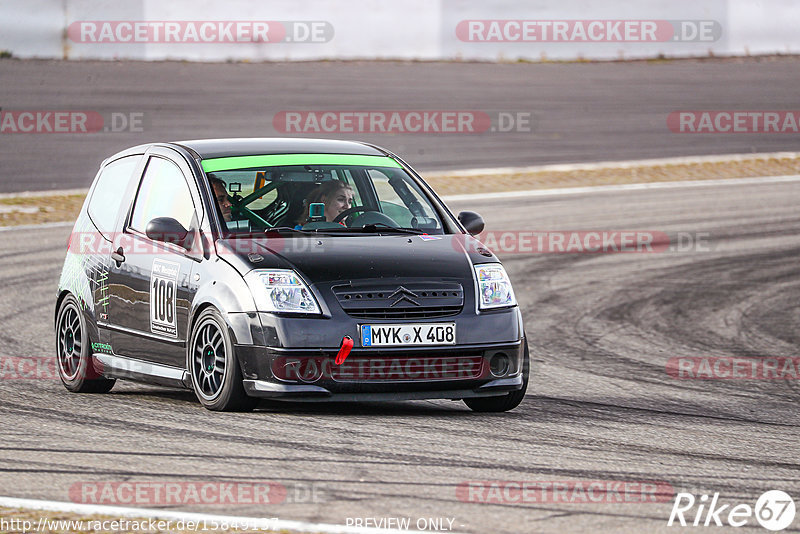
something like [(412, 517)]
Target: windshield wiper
[(367, 228), (380, 227), (313, 231), (279, 229)]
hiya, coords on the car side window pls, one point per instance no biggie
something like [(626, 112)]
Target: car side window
[(109, 191), (394, 206), (163, 193)]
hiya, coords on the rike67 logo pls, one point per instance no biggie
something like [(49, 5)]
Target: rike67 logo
[(774, 510)]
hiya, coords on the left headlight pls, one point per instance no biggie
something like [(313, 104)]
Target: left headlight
[(494, 287), (280, 290)]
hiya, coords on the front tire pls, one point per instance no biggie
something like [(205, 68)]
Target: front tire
[(73, 351), (506, 402), (215, 372)]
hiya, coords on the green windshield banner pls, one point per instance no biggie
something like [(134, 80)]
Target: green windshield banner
[(281, 160)]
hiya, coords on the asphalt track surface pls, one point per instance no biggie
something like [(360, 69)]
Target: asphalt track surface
[(600, 404), (580, 112)]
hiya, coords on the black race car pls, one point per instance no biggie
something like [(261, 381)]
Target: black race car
[(310, 270)]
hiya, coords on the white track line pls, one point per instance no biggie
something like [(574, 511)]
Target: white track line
[(623, 187), (143, 513), (625, 164), (37, 226), (60, 192)]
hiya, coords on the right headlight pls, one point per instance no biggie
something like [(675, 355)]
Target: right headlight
[(494, 287), (280, 290)]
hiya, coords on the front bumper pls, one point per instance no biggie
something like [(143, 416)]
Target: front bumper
[(269, 346), (387, 374), (309, 393)]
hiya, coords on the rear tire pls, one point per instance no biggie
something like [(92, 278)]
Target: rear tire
[(506, 402), (74, 351), (215, 372)]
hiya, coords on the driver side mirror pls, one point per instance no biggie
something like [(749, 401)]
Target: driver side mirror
[(472, 222), (168, 230)]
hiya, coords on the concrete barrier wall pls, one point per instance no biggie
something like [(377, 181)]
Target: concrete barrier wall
[(278, 30)]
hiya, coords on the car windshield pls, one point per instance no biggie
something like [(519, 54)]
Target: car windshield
[(348, 196)]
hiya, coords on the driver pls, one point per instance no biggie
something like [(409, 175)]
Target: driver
[(337, 197), (221, 195), (220, 189)]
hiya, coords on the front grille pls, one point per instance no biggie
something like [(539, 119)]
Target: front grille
[(426, 313), (417, 300)]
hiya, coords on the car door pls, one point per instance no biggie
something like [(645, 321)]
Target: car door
[(150, 282), (86, 268)]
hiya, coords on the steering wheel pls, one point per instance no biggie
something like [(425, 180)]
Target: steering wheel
[(350, 211)]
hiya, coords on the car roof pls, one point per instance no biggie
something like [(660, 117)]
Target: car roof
[(223, 148)]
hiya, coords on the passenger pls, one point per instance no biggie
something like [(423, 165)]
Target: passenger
[(337, 197)]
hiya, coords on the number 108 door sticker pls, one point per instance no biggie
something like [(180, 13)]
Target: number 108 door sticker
[(163, 293)]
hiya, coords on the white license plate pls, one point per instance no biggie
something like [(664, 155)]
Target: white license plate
[(396, 335)]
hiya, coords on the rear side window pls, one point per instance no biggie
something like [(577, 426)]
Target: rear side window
[(162, 193), (108, 192)]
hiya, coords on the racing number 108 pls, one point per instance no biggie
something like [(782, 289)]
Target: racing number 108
[(164, 293)]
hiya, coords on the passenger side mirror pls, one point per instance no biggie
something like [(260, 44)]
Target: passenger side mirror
[(168, 230), (472, 222)]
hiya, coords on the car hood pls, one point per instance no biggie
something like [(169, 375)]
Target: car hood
[(333, 258)]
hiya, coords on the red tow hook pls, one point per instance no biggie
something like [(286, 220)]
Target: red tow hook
[(344, 350)]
